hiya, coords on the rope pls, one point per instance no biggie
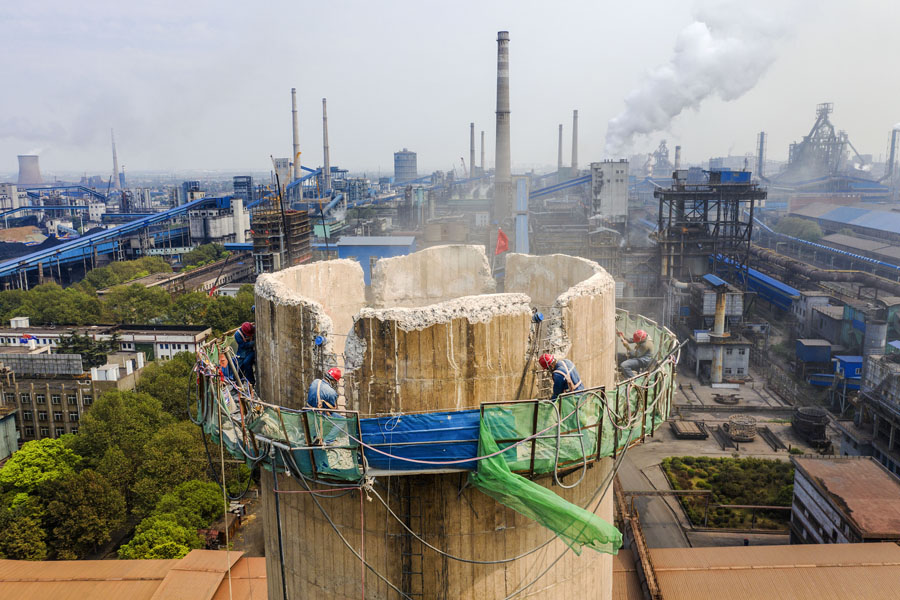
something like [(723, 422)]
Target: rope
[(225, 503), (284, 595)]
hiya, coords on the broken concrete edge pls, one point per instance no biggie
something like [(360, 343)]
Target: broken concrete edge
[(559, 341), (546, 257)]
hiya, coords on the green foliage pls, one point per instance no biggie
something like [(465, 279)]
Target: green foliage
[(93, 353), (733, 481), (173, 455), (135, 304), (160, 537), (36, 463), (22, 536), (203, 255), (795, 450), (800, 228), (49, 304), (168, 382), (83, 509), (119, 272), (193, 504)]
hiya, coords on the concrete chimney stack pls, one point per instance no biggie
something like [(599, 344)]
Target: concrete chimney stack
[(761, 154), (115, 179), (892, 155), (574, 143), (482, 153), (471, 149), (559, 158), (327, 158), (502, 166), (296, 124), (29, 170), (677, 157), (237, 220)]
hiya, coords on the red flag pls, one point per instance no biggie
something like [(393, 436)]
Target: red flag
[(212, 291), (502, 242)]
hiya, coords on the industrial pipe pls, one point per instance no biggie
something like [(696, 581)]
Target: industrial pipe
[(718, 334), (816, 274)]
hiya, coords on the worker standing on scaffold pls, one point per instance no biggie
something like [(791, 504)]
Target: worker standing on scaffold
[(639, 357), (565, 376), (321, 391), (244, 337)]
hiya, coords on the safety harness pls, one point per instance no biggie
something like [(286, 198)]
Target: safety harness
[(563, 369)]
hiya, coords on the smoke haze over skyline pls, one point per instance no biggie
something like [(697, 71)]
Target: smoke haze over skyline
[(206, 85)]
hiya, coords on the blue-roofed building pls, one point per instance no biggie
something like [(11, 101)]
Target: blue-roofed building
[(870, 220), (368, 249)]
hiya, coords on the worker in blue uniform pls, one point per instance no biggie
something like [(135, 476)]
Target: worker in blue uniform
[(565, 376), (245, 338), (321, 391)]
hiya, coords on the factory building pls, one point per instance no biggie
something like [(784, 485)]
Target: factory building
[(242, 186), (609, 190), (844, 500), (405, 168), (222, 222)]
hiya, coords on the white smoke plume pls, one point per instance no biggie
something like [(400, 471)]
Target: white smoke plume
[(722, 53), (897, 127)]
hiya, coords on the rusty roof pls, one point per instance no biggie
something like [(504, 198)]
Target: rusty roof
[(799, 572), (201, 575), (863, 490)]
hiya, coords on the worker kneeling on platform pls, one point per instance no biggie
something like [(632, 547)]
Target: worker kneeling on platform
[(321, 391), (244, 337), (639, 357), (565, 376)]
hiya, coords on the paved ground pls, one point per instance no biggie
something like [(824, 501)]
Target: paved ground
[(249, 538)]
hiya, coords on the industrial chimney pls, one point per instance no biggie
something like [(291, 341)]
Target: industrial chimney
[(29, 170), (760, 154), (471, 149), (503, 169), (327, 158), (115, 177), (296, 124), (677, 157), (892, 155), (574, 143), (482, 153), (559, 159)]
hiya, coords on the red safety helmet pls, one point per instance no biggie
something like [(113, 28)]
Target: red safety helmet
[(639, 336), (546, 361), (333, 374), (248, 328)]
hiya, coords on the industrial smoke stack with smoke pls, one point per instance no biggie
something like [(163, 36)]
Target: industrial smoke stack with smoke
[(723, 53)]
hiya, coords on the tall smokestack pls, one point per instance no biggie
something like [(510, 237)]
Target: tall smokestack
[(482, 152), (502, 167), (327, 158), (760, 153), (29, 170), (559, 159), (892, 155), (471, 149), (677, 157), (115, 179), (574, 142), (296, 124)]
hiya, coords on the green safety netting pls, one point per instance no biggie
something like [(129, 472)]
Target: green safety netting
[(575, 525)]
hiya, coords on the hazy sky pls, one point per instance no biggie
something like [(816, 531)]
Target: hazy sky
[(206, 85)]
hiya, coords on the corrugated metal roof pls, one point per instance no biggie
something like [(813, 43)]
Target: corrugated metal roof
[(853, 242), (626, 585), (201, 575), (862, 489)]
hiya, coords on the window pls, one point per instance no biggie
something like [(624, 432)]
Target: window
[(53, 400), (10, 398), (74, 430), (27, 415), (26, 398), (740, 370), (29, 431), (87, 400), (72, 399), (73, 416), (729, 351), (742, 351), (57, 415), (42, 415), (40, 398), (45, 431), (60, 431), (727, 370)]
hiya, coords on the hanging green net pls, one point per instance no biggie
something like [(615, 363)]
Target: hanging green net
[(574, 525)]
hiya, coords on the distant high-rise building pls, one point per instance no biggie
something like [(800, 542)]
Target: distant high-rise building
[(405, 166), (243, 188)]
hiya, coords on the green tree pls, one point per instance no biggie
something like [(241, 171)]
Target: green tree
[(173, 455), (48, 304), (93, 353), (136, 304), (202, 255), (189, 309), (22, 536), (83, 509), (156, 537), (800, 228), (192, 504), (36, 463), (168, 382)]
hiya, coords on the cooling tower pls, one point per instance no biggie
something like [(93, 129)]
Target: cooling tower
[(29, 170)]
